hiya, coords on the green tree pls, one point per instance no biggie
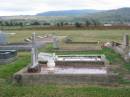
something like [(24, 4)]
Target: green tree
[(35, 23), (95, 22), (61, 24), (77, 24), (1, 23), (6, 23), (58, 24), (87, 23)]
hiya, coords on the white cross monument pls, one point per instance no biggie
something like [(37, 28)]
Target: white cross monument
[(35, 67)]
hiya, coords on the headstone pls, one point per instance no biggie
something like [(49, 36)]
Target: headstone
[(125, 40), (55, 43), (126, 47), (3, 38)]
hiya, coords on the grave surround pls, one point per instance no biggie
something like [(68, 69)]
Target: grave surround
[(7, 56)]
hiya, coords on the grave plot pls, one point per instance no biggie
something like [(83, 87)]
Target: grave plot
[(68, 70), (67, 44), (65, 69)]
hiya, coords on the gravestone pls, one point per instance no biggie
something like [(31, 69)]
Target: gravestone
[(35, 67), (55, 43), (125, 40), (126, 47), (3, 38)]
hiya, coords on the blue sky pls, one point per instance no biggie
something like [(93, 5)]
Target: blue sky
[(31, 7)]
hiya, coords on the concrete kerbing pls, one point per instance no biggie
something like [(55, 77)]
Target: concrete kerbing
[(25, 78), (17, 77)]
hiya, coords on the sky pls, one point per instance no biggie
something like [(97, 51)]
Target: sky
[(32, 7)]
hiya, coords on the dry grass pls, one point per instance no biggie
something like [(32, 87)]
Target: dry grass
[(77, 35)]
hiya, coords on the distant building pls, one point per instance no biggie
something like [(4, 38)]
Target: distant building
[(107, 25), (128, 24)]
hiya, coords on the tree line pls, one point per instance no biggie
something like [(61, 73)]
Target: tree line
[(58, 24)]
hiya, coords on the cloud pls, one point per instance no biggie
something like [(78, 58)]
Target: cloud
[(30, 7)]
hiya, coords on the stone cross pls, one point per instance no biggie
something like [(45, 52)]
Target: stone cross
[(34, 51), (34, 64)]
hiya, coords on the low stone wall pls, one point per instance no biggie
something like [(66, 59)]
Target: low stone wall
[(73, 42), (20, 46), (80, 46), (37, 78), (15, 47), (65, 79), (89, 48), (118, 49), (122, 52)]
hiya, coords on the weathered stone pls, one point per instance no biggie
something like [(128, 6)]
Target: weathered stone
[(34, 69), (55, 43), (123, 49), (3, 38), (38, 78), (125, 40)]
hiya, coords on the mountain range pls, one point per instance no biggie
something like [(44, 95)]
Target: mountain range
[(121, 15), (117, 15), (69, 12)]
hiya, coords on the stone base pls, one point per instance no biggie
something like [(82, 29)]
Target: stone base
[(34, 69), (65, 79), (24, 77)]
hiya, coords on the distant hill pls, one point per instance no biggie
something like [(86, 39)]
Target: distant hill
[(111, 16), (121, 15), (68, 12)]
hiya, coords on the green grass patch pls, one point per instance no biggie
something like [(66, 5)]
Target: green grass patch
[(127, 66), (9, 69), (62, 91)]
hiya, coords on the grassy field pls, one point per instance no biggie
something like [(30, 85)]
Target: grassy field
[(7, 89), (63, 91), (77, 35)]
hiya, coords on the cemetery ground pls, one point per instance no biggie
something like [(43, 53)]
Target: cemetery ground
[(122, 89), (76, 35)]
